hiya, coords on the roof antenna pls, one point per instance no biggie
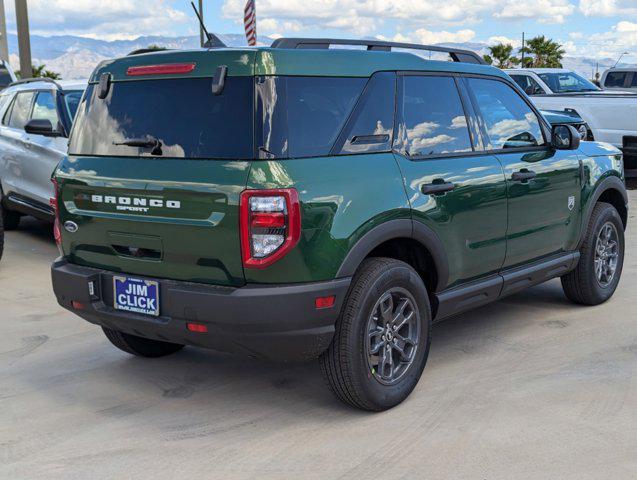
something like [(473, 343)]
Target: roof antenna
[(213, 41)]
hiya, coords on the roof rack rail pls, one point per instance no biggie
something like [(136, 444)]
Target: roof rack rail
[(34, 80), (458, 55)]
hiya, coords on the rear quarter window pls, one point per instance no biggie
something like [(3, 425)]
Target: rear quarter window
[(615, 79), (303, 116)]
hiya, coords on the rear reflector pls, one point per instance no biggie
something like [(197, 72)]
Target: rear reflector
[(197, 327), (324, 302), (167, 69), (78, 305)]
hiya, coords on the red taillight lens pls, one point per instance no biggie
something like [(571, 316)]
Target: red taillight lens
[(57, 234), (167, 69), (197, 327), (270, 225)]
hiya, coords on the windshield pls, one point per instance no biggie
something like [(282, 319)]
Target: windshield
[(179, 118), (567, 82), (72, 100)]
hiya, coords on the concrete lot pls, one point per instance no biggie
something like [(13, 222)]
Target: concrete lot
[(531, 387)]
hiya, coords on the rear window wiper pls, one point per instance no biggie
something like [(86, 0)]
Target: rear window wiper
[(147, 142)]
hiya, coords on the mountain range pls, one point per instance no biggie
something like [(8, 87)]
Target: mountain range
[(75, 57)]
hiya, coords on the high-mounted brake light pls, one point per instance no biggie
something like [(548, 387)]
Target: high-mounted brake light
[(166, 69), (57, 234), (270, 225)]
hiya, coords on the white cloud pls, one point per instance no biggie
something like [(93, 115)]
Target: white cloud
[(107, 20), (620, 38), (544, 11), (367, 16), (429, 37), (505, 40), (608, 8)]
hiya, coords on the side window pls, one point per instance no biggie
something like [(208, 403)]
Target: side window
[(508, 120), (615, 79), (433, 119), (7, 114), (21, 109), (44, 108), (528, 84), (634, 82), (371, 127)]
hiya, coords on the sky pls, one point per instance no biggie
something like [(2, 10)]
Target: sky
[(591, 28)]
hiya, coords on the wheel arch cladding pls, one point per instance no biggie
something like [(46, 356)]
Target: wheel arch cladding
[(402, 239), (610, 190)]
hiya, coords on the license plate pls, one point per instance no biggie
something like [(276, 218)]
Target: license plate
[(136, 295)]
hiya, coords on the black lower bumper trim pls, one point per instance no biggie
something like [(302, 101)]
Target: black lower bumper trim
[(278, 322)]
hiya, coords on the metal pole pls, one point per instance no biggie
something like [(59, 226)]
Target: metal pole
[(24, 42), (4, 41), (201, 34)]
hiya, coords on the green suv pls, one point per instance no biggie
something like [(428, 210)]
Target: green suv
[(300, 201)]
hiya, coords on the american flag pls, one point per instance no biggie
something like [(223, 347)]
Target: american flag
[(250, 22)]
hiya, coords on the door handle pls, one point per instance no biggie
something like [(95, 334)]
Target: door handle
[(437, 187), (523, 175)]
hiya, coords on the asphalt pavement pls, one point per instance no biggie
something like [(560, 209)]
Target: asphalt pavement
[(531, 387)]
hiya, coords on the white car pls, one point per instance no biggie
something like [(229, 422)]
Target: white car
[(611, 115), (623, 79), (35, 120)]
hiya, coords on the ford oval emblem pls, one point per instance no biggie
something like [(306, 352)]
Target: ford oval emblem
[(71, 227)]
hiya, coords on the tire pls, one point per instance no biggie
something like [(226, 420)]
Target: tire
[(10, 219), (584, 285), (348, 365), (142, 347)]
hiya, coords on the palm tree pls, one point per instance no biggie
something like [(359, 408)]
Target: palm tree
[(502, 54), (546, 53), (40, 71)]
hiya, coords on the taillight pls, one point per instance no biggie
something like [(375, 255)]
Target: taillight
[(57, 234), (270, 225)]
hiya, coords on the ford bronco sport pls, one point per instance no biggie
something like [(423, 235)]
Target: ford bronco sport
[(297, 201)]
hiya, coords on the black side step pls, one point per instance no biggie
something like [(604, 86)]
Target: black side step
[(480, 292), (28, 206)]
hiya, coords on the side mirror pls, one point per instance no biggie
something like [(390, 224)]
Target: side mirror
[(41, 127), (565, 137)]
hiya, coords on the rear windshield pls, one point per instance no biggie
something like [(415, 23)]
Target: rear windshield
[(183, 114)]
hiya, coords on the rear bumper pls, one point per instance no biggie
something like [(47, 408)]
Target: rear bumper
[(275, 322)]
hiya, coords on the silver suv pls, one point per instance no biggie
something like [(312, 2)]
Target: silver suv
[(35, 120)]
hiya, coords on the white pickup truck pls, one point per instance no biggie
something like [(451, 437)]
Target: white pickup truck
[(611, 115)]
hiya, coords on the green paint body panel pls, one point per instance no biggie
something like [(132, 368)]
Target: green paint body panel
[(471, 220), (198, 242), (485, 224), (544, 213), (342, 199)]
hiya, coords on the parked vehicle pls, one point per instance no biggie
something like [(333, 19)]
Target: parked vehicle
[(297, 201), (610, 115), (36, 116), (622, 79), (555, 117), (7, 75)]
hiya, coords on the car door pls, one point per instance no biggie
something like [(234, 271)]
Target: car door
[(45, 152), (543, 183), (455, 191), (15, 152)]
